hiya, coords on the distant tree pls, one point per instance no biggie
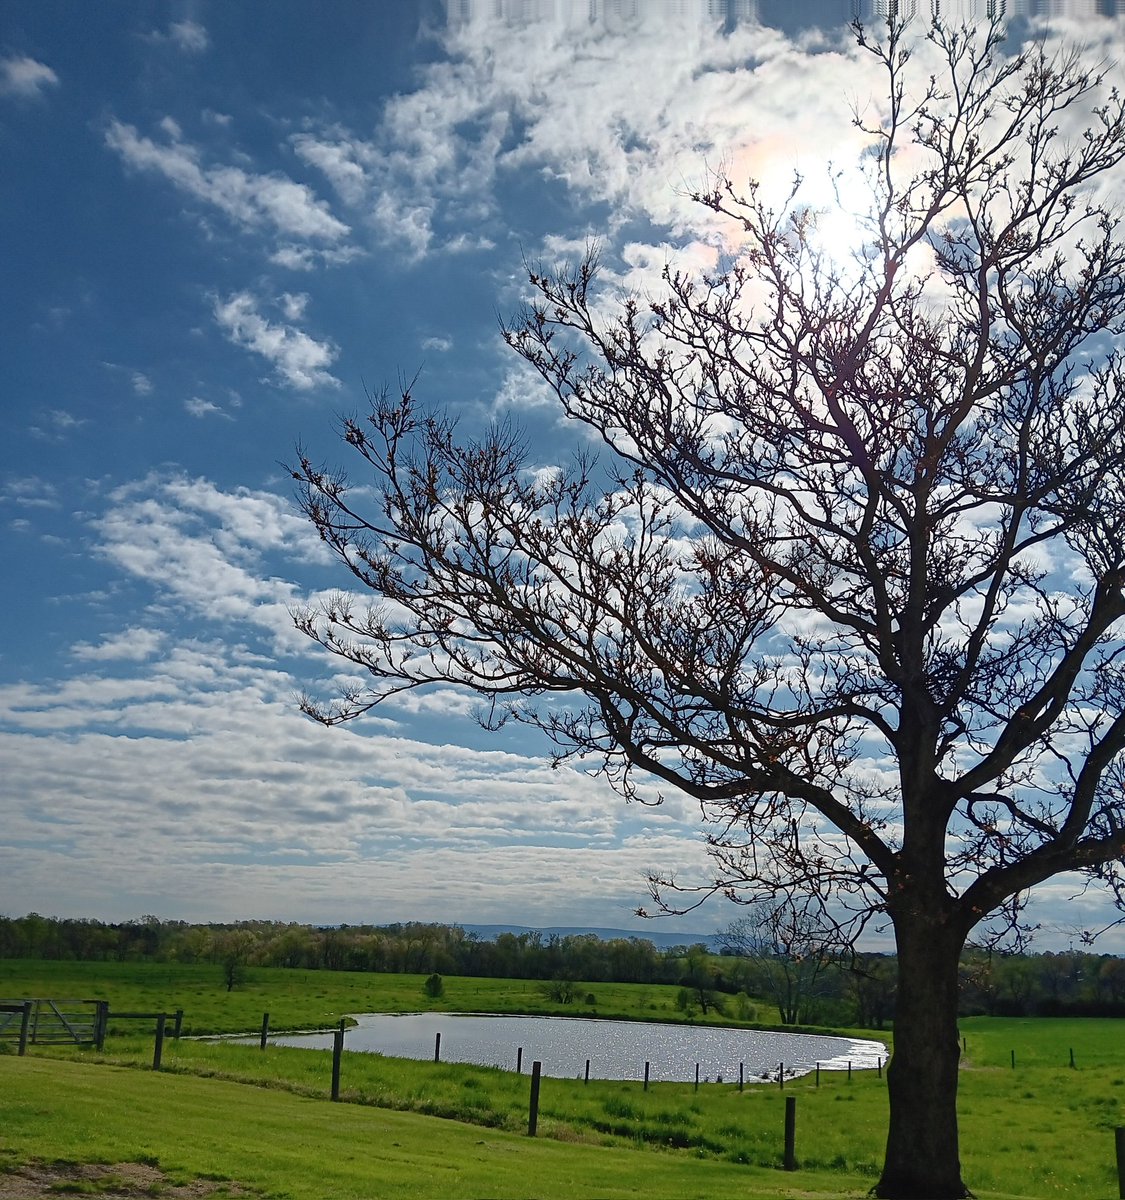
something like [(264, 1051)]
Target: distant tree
[(434, 986), (233, 949), (1111, 980), (698, 980), (787, 950), (1018, 985), (853, 579)]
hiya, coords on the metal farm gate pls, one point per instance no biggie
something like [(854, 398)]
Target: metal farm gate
[(46, 1022)]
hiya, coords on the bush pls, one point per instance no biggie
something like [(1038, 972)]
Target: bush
[(559, 990), (434, 986)]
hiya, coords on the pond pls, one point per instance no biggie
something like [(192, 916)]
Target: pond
[(616, 1049)]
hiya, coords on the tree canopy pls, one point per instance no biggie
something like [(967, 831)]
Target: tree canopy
[(852, 574)]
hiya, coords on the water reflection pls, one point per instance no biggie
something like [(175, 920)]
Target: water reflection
[(616, 1049)]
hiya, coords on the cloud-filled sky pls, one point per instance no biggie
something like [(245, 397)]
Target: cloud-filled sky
[(219, 225)]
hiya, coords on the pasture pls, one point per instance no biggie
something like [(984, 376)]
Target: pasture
[(1040, 1129), (300, 999)]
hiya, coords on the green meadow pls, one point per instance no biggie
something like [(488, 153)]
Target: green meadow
[(299, 999), (263, 1118)]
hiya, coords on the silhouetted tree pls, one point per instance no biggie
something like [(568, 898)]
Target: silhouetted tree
[(854, 578), (785, 944)]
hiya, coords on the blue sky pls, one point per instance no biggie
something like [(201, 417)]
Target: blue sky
[(219, 224)]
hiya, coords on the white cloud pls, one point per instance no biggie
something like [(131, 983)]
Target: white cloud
[(190, 36), (29, 492), (293, 305), (308, 258), (135, 645), (187, 36), (441, 344), (333, 814), (522, 388), (251, 200), (298, 359), (196, 406), (405, 220), (138, 380), (25, 77), (515, 98), (203, 551), (56, 424), (344, 161)]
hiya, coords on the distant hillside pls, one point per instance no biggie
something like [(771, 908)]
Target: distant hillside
[(661, 940)]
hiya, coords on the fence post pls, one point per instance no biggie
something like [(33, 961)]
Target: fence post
[(437, 1046), (740, 1085), (587, 1079), (1013, 1060), (519, 1060), (880, 1066), (646, 1076), (790, 1133), (265, 1030), (178, 1024), (1119, 1145), (25, 1023), (533, 1107), (818, 1074), (101, 1021), (849, 1070), (158, 1049), (781, 1075), (337, 1052), (1072, 1059), (697, 1077)]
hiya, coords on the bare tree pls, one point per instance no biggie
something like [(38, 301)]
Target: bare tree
[(786, 945), (855, 583)]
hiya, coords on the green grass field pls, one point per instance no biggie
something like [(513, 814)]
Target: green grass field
[(1039, 1130), (282, 1145), (318, 999)]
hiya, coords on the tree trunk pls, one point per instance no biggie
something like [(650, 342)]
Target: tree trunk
[(923, 1161)]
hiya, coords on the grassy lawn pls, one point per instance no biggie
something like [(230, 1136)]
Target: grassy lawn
[(283, 1145), (1039, 1130)]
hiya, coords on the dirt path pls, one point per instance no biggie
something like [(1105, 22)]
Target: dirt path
[(122, 1181)]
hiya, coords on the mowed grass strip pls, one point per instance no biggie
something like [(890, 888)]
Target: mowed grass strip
[(282, 1145)]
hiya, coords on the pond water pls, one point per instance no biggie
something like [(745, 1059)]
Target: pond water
[(616, 1049)]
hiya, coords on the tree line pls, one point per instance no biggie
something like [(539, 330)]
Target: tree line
[(751, 979), (410, 947)]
